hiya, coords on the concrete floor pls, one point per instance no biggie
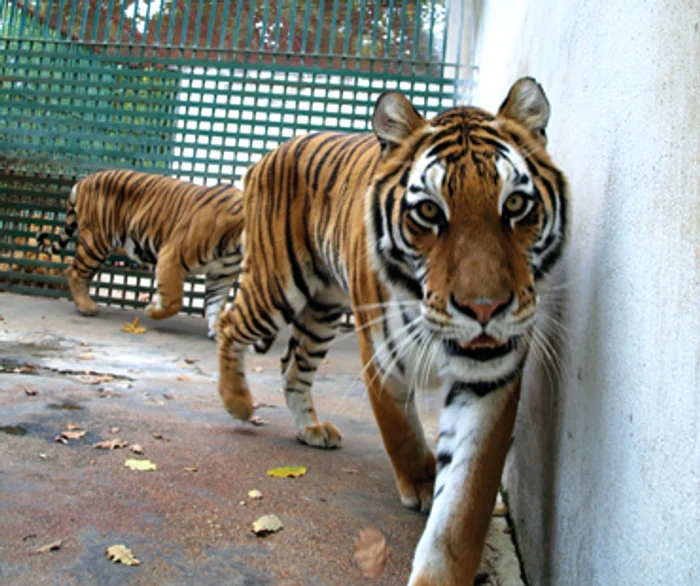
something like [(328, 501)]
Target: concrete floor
[(186, 527)]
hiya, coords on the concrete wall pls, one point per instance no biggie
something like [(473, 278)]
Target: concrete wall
[(604, 476)]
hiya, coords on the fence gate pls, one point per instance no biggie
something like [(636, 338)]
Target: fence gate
[(196, 89)]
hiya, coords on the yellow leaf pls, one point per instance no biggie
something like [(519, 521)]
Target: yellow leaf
[(144, 465), (287, 471), (133, 328), (267, 524), (121, 554)]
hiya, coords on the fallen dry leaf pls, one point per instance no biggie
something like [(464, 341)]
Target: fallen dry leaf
[(158, 436), (85, 356), (136, 448), (500, 509), (133, 328), (191, 360), (183, 377), (257, 420), (371, 552), (258, 369), (93, 379), (113, 444), (72, 426), (191, 469), (255, 494), (121, 554), (287, 471), (114, 430), (30, 392), (50, 547), (42, 455), (267, 524), (169, 395), (75, 434), (141, 465)]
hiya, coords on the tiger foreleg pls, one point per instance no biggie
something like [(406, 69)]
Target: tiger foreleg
[(306, 350), (244, 324), (170, 276), (402, 432), (475, 433)]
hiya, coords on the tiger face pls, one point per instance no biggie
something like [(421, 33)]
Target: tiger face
[(470, 228)]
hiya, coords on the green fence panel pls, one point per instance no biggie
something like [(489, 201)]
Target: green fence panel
[(195, 89)]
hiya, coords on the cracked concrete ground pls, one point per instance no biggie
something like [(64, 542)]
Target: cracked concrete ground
[(188, 522)]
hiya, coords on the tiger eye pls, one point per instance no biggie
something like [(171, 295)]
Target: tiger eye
[(515, 203), (428, 210)]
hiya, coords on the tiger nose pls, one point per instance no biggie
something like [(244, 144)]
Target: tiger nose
[(483, 310)]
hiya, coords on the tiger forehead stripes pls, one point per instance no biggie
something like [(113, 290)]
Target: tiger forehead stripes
[(438, 234)]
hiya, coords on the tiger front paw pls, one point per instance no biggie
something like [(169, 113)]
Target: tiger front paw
[(239, 403), (322, 435), (416, 489)]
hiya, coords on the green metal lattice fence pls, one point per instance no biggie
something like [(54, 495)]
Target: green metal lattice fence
[(196, 89)]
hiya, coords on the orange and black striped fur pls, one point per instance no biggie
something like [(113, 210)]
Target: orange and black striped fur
[(438, 234), (177, 227)]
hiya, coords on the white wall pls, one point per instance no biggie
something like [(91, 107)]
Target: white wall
[(604, 482)]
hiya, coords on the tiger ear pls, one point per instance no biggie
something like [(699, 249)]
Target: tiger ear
[(394, 120), (527, 105)]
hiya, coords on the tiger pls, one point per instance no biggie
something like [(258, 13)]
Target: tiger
[(176, 227), (439, 235)]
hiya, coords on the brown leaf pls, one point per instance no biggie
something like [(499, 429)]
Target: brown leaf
[(120, 554), (257, 420), (94, 379), (30, 392), (85, 356), (50, 547), (136, 448), (113, 444), (183, 377), (191, 469), (72, 426), (158, 436), (191, 360), (371, 552)]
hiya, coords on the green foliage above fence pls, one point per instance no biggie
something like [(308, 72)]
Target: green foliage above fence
[(197, 89)]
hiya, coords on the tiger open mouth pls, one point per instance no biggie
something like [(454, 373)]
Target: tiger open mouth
[(482, 348)]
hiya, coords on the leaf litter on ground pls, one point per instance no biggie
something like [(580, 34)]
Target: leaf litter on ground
[(287, 472), (121, 554), (267, 524), (50, 546), (371, 552), (133, 328), (113, 444), (140, 465)]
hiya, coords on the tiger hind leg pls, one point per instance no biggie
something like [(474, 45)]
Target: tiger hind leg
[(216, 290), (244, 324), (170, 277), (90, 254), (312, 334)]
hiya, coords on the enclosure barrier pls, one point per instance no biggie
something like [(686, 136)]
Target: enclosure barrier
[(195, 89)]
